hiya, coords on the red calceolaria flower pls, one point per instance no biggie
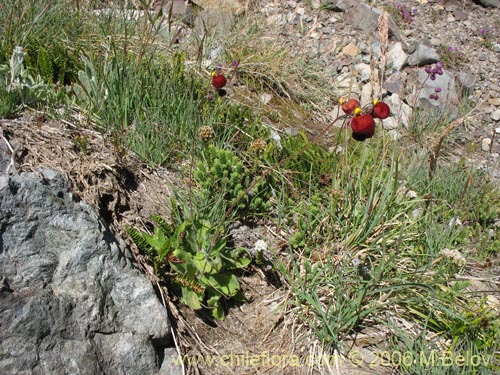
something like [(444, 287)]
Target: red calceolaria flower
[(349, 106), (218, 81), (363, 119), (380, 110), (363, 127)]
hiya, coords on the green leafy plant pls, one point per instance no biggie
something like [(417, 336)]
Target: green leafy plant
[(194, 258), (223, 175), (21, 87), (9, 101), (51, 33), (82, 143)]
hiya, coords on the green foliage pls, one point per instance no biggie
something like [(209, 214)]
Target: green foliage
[(82, 143), (21, 87), (45, 65), (9, 102), (451, 56), (430, 358), (51, 32), (361, 250), (194, 258), (150, 105), (304, 161), (350, 244), (223, 175), (457, 191)]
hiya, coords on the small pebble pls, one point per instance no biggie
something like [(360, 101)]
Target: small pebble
[(350, 50), (486, 144), (494, 101), (495, 115)]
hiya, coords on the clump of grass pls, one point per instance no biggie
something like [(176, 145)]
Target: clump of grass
[(266, 66), (375, 246), (51, 33)]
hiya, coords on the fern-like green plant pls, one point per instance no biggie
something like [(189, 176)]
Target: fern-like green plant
[(194, 259), (45, 65)]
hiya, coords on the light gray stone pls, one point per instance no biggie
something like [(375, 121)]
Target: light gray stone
[(423, 87), (364, 71), (396, 57), (395, 83), (366, 97), (495, 115), (486, 144), (423, 55), (466, 80), (390, 123), (399, 110), (347, 85)]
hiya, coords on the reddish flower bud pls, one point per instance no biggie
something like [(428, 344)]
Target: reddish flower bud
[(381, 110), (362, 127), (219, 81), (349, 106)]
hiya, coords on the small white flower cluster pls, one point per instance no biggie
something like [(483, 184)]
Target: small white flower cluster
[(454, 256), (411, 194), (260, 246), (455, 222)]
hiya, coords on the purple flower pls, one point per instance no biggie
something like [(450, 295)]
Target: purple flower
[(484, 30), (428, 70), (406, 15), (437, 89), (439, 64), (235, 64), (433, 77)]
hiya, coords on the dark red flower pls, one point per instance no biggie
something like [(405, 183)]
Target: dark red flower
[(363, 127), (219, 81), (349, 106), (381, 110)]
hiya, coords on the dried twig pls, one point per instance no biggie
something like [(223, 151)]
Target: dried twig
[(436, 146)]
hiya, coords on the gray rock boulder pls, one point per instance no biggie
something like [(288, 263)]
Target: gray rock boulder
[(70, 301), (422, 89), (423, 55), (365, 17), (396, 57), (400, 111)]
